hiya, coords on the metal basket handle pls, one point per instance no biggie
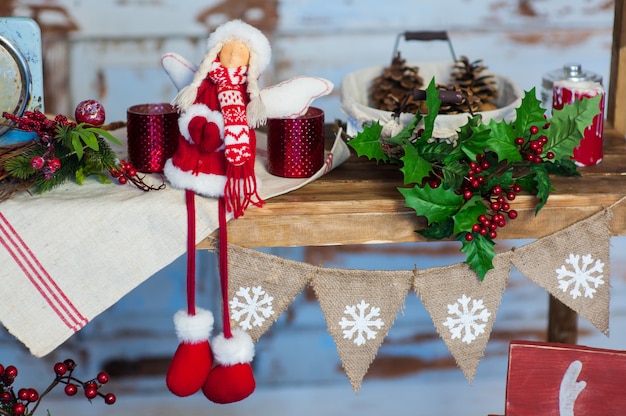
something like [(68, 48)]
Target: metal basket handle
[(426, 35)]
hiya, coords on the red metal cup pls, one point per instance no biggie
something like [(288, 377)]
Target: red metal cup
[(152, 132), (589, 152), (295, 146)]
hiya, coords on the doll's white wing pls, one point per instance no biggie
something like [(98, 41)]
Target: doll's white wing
[(292, 98), (179, 69)]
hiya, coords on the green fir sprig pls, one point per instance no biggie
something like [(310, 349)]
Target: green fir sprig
[(465, 188)]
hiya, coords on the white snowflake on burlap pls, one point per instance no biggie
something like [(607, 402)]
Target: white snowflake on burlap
[(585, 275), (361, 322), (467, 321), (254, 307)]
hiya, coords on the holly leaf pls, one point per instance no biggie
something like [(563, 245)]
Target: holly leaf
[(502, 141), (438, 231), (367, 143), (542, 179), (477, 143), (479, 253), (505, 179), (563, 167), (433, 103), (415, 168), (567, 125), (529, 113), (454, 174), (467, 216), (436, 204)]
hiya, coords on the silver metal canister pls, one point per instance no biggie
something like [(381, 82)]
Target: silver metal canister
[(569, 72)]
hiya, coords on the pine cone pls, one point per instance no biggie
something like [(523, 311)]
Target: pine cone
[(391, 88), (471, 79)]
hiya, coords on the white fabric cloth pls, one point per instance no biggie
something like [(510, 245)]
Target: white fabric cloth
[(69, 254)]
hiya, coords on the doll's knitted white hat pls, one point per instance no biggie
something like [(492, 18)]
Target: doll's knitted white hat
[(260, 56)]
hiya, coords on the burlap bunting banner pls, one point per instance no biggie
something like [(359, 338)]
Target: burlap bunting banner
[(360, 307), (573, 266), (261, 286), (463, 308)]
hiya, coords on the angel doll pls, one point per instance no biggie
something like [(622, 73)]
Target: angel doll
[(220, 104)]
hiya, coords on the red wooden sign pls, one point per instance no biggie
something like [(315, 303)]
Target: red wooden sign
[(551, 379)]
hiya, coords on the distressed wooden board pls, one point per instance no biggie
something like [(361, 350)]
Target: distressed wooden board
[(537, 383)]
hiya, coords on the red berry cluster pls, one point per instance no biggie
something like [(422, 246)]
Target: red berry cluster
[(12, 404), (487, 224), (474, 178), (38, 122), (532, 149), (126, 172)]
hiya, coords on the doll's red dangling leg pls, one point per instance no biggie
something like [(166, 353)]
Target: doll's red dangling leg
[(193, 358), (231, 379)]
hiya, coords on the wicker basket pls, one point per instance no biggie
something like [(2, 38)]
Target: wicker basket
[(356, 104)]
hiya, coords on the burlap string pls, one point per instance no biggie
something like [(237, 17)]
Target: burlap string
[(458, 301), (541, 259), (374, 296)]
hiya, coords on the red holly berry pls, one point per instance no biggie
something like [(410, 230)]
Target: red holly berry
[(103, 377), (110, 398), (10, 371), (23, 394), (534, 129), (71, 389), (91, 392), (90, 112), (512, 214), (60, 368), (19, 409), (469, 237), (33, 395), (71, 364)]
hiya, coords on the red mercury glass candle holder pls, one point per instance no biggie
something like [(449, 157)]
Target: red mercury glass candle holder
[(295, 146), (152, 132)]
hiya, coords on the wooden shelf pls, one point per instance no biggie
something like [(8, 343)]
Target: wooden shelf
[(358, 203)]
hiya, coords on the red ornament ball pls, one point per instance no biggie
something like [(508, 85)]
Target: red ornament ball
[(90, 112)]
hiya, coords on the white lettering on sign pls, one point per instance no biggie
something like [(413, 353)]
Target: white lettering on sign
[(570, 388)]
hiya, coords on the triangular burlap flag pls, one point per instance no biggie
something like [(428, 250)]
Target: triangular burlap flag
[(573, 266), (261, 286), (360, 306), (463, 308)]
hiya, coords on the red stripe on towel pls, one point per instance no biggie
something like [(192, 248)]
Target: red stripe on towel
[(39, 277)]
